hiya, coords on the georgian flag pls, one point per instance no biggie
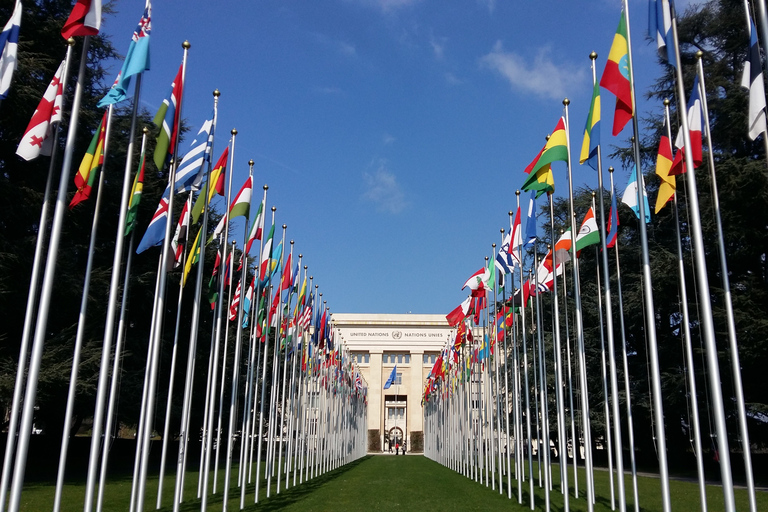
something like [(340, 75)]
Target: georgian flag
[(752, 79), (38, 140)]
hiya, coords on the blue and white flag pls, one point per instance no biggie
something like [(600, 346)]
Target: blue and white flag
[(660, 29), (137, 60), (155, 233), (9, 43), (752, 79), (504, 261), (391, 379), (189, 175), (630, 196)]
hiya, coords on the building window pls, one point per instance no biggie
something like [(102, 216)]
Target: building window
[(399, 358), (399, 379), (396, 358), (385, 358), (430, 358), (426, 358), (367, 358), (407, 358)]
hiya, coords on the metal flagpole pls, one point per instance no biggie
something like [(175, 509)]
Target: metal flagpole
[(542, 384), (731, 322), (29, 316), (285, 373), (38, 342), (72, 392), (570, 392)]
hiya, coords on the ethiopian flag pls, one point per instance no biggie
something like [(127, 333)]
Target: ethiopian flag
[(136, 191), (616, 77), (89, 167)]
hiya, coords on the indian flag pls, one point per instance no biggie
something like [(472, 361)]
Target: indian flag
[(588, 234)]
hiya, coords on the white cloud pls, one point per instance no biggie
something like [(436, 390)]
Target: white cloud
[(452, 79), (383, 190), (328, 90), (490, 4), (542, 76), (342, 47), (387, 139), (438, 46), (388, 5)]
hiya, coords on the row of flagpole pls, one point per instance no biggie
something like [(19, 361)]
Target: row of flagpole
[(441, 391), (326, 397)]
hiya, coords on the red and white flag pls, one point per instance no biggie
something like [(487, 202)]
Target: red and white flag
[(180, 237), (235, 303), (85, 19), (38, 138), (461, 312), (695, 127)]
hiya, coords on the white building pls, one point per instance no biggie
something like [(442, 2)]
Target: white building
[(378, 344)]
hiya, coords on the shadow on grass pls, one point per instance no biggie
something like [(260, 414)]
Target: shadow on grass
[(275, 501)]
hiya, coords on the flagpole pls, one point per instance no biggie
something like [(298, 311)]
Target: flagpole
[(733, 345), (506, 393), (542, 386), (38, 342), (32, 295), (646, 266), (285, 373), (706, 317), (98, 417), (193, 332), (494, 331), (72, 392)]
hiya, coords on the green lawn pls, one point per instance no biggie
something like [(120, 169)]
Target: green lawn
[(384, 482)]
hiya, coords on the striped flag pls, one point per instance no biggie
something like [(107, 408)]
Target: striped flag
[(38, 138), (752, 79), (663, 166), (239, 207), (192, 257), (179, 242), (630, 195), (156, 230), (9, 45), (266, 255), (167, 119), (616, 77), (660, 29), (613, 221), (85, 19), (247, 300), (540, 176), (592, 131), (695, 126), (89, 167), (235, 303), (216, 186), (588, 234), (257, 227), (136, 191), (189, 174)]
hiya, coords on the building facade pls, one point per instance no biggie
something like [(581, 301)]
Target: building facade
[(406, 345)]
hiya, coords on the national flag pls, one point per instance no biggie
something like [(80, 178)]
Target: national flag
[(695, 126), (592, 131), (193, 257), (530, 225), (461, 312), (323, 325), (616, 77), (257, 228), (38, 138), (660, 29), (391, 379), (213, 283), (179, 241), (588, 234), (156, 230), (89, 167), (752, 79), (286, 281), (630, 196), (191, 169), (233, 307), (85, 19), (216, 185), (136, 61), (517, 240), (136, 191), (266, 255), (9, 47), (167, 119), (240, 206), (562, 251), (540, 176), (663, 166), (478, 282), (613, 221), (504, 260), (247, 301)]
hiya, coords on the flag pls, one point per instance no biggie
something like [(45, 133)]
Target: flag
[(479, 282), (235, 303), (85, 19), (530, 225), (517, 240), (136, 61), (192, 257), (9, 46), (191, 169), (266, 255), (216, 185), (752, 79), (89, 167), (286, 281), (239, 207), (38, 138), (540, 176), (213, 283), (630, 196), (156, 230), (660, 29), (562, 251), (695, 125), (391, 379), (504, 261), (613, 221), (461, 312), (257, 227), (247, 301), (592, 131), (588, 234), (136, 191), (616, 77), (179, 241), (663, 166), (167, 119)]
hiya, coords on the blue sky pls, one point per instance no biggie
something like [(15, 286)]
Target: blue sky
[(392, 133)]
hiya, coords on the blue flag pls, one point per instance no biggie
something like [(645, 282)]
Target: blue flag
[(135, 62), (191, 170), (155, 233), (391, 379), (630, 196), (660, 29)]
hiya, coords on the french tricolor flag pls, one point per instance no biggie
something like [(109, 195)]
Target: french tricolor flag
[(695, 125)]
